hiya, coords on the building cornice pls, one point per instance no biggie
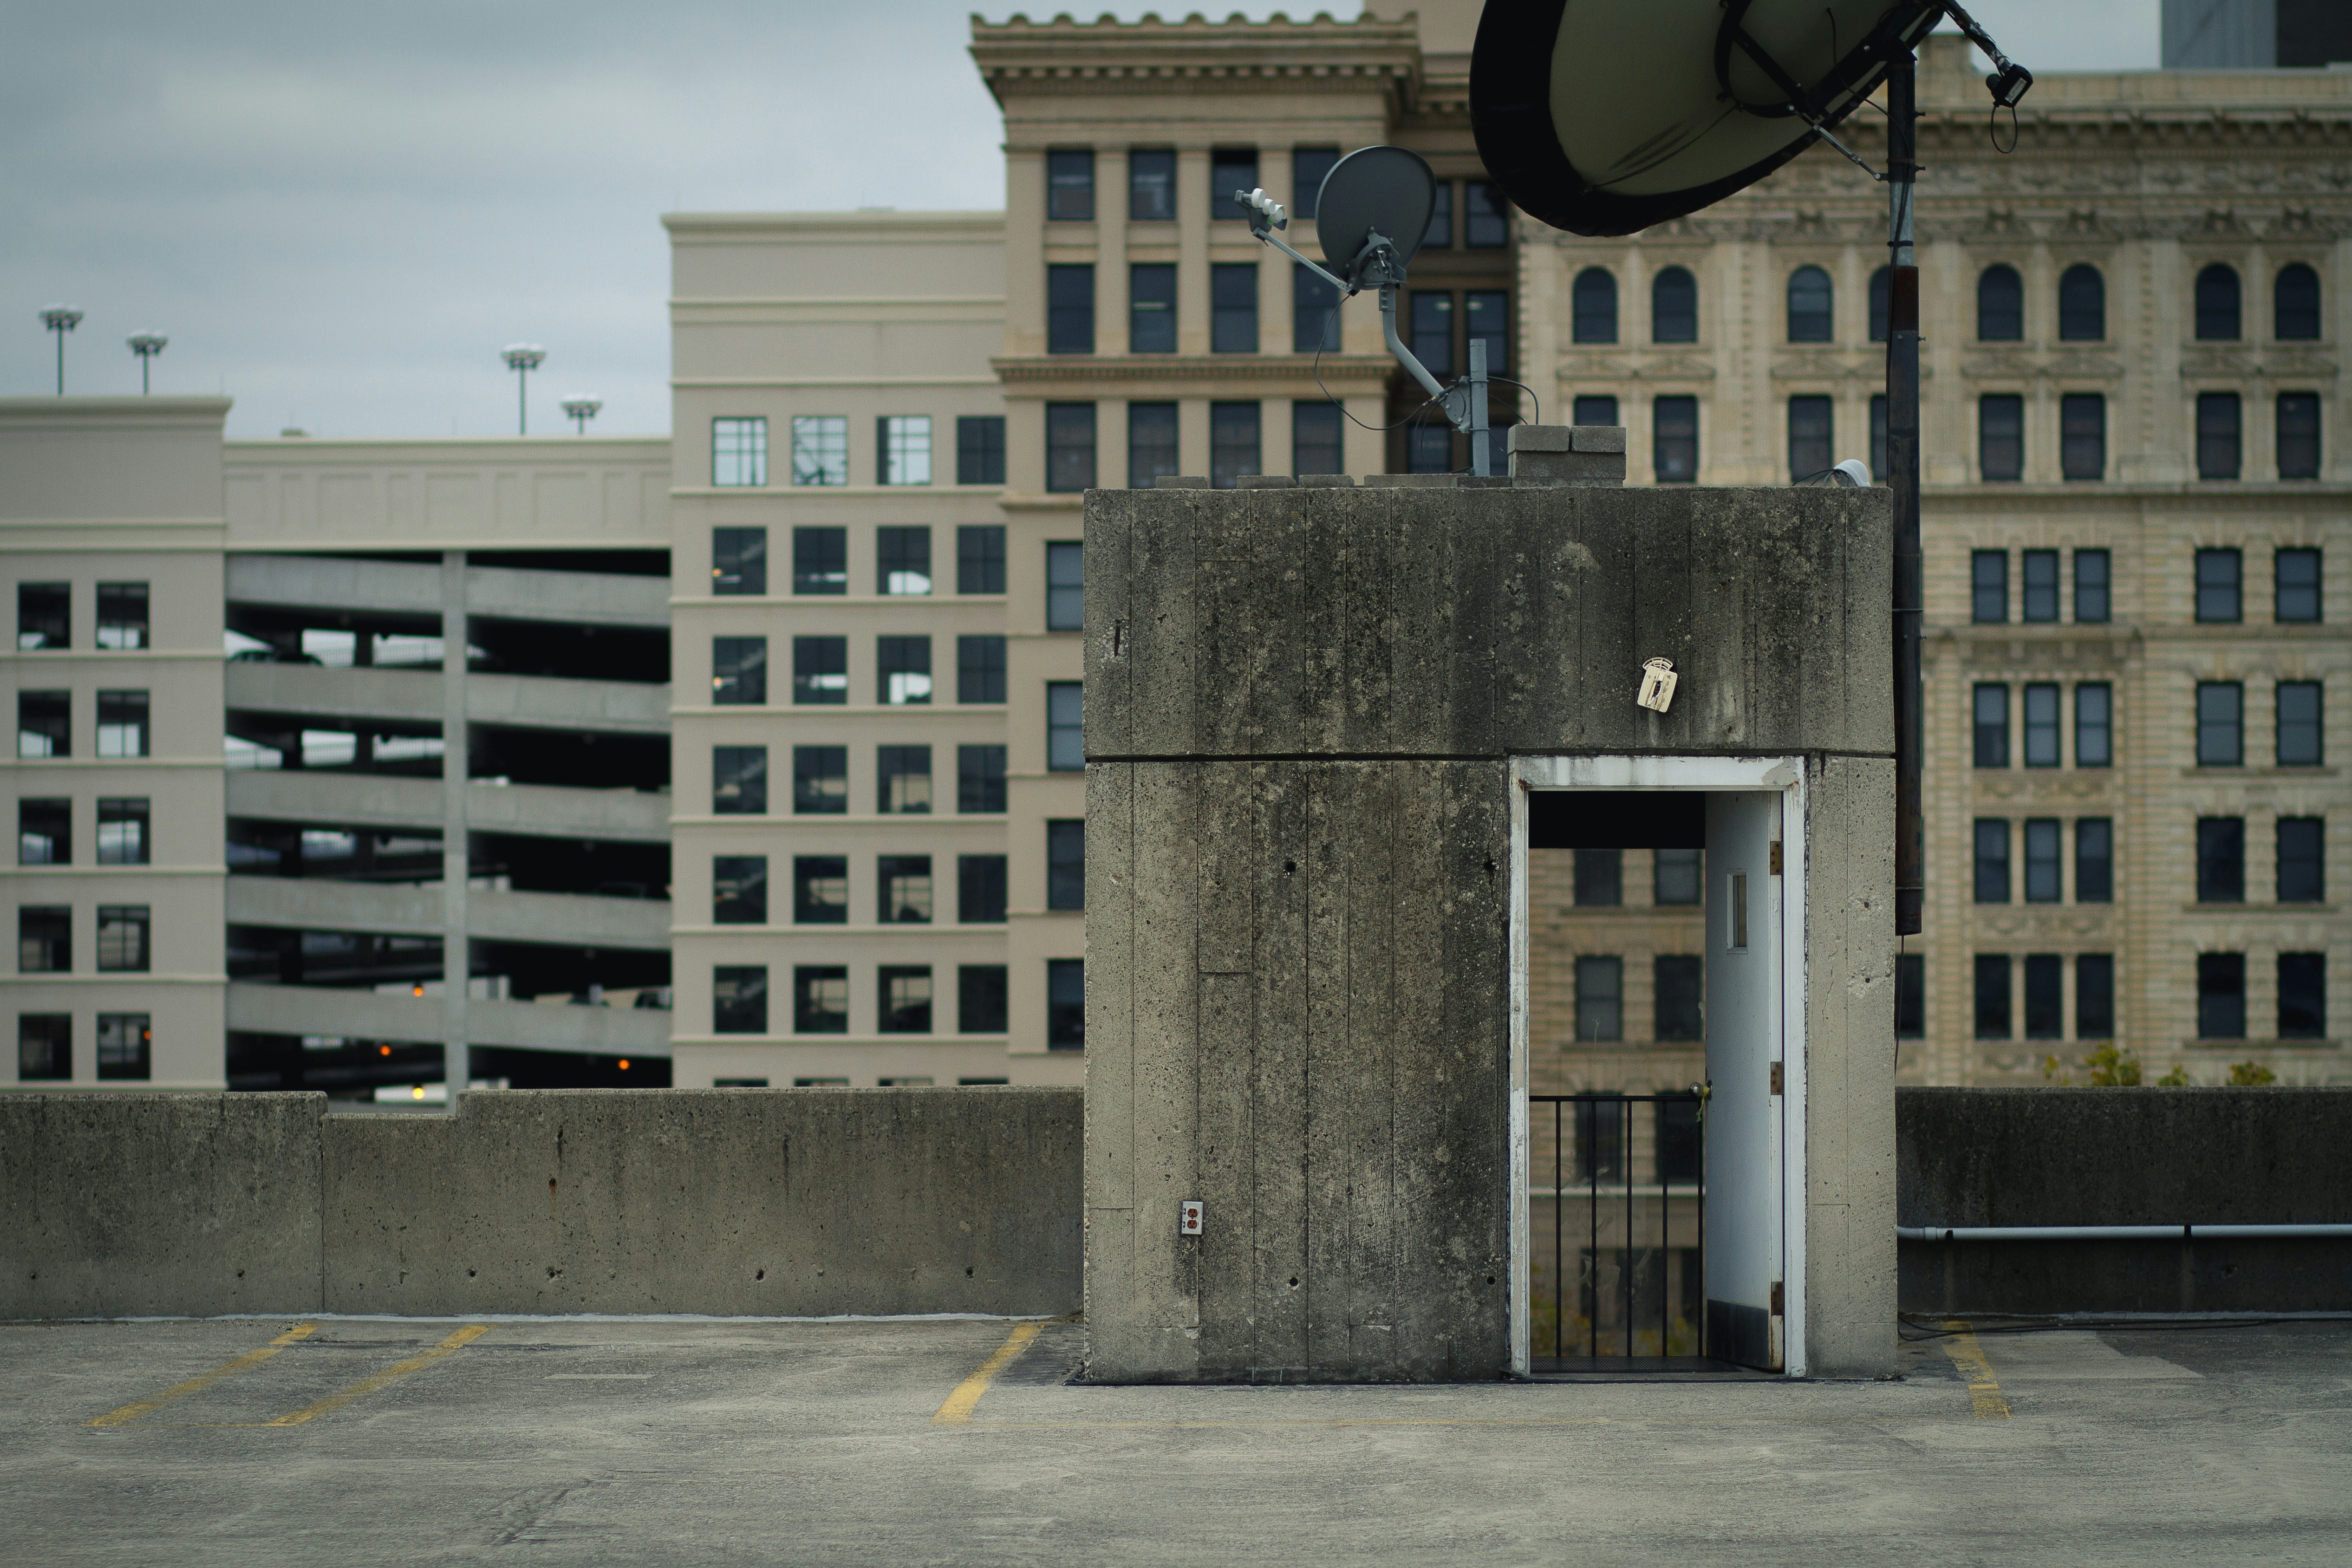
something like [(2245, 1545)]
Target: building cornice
[(113, 413), (1021, 58), (1150, 372)]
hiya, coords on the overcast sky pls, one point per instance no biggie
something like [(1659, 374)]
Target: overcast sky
[(339, 212)]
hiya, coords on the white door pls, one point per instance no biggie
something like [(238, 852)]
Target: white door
[(1743, 1061)]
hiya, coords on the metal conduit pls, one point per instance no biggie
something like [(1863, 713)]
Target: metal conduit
[(2118, 1232)]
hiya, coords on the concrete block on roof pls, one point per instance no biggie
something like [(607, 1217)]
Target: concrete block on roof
[(1599, 437), (1410, 481), (1326, 481), (1266, 481), (1179, 482)]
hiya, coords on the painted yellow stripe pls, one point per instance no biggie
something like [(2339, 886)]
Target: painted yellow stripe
[(1984, 1391), (129, 1413), (960, 1405), (394, 1374)]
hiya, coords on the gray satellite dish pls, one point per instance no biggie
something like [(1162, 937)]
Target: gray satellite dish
[(1386, 190)]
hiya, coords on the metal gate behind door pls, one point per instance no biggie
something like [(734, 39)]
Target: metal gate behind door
[(1628, 1192)]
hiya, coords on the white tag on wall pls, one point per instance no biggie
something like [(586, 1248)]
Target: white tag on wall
[(1658, 680)]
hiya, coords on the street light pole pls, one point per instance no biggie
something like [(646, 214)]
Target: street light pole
[(61, 319), (147, 345), (522, 359), (580, 410)]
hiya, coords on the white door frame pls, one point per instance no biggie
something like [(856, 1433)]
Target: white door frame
[(1786, 774)]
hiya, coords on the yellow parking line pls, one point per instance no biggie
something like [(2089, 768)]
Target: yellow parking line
[(958, 1409), (367, 1385), (129, 1413), (1984, 1392)]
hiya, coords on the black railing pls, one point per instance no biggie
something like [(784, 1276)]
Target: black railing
[(1595, 1156)]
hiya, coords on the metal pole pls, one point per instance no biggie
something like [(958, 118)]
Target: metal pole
[(1625, 1175), (1588, 1121), (1482, 449), (1558, 1234), (523, 402), (61, 361), (146, 364), (1903, 474)]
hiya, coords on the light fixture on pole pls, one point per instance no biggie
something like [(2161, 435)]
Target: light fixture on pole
[(522, 359), (580, 410), (147, 345), (61, 319)]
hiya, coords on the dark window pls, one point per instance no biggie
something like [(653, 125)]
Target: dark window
[(904, 995), (1150, 443), (2094, 859), (1811, 450), (1313, 310), (1232, 443), (1599, 999), (1231, 169), (821, 560), (738, 780), (2041, 861), (820, 890), (2083, 436), (2001, 437), (1878, 469), (902, 560), (1439, 235), (1992, 996), (45, 831), (903, 670), (1151, 307), (1810, 318), (2041, 725), (1599, 877), (980, 449), (44, 1046), (979, 669), (1594, 408), (1308, 168), (1486, 216), (979, 779), (1066, 863), (123, 724), (904, 885), (2039, 601), (2294, 302), (2045, 997), (738, 452), (1991, 719), (1429, 447), (2298, 435), (1881, 282), (44, 939), (2220, 860), (123, 617), (1065, 586), (2216, 304), (1066, 1004), (1911, 996), (2302, 995), (2091, 602), (1673, 306), (1486, 316), (980, 558), (2093, 724), (738, 889), (821, 670), (1600, 1139), (1989, 586), (1593, 305), (2299, 739), (2302, 860), (1679, 1152), (2218, 436), (1151, 185), (1065, 727), (820, 781), (2095, 995), (2220, 578), (1681, 981), (1673, 442), (1070, 308), (739, 671), (739, 561), (2000, 305), (1069, 447), (981, 999), (2221, 723), (1432, 331), (1317, 441), (980, 890), (1992, 860), (2220, 996), (820, 998), (1070, 184), (122, 931), (44, 616), (1674, 876), (2082, 305), (125, 1041), (903, 776)]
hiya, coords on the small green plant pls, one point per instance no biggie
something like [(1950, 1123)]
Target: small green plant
[(2250, 1075), (2053, 1071), (2176, 1079), (2110, 1068)]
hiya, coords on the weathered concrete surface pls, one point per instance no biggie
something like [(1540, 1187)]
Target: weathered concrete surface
[(115, 1203), (2126, 1156)]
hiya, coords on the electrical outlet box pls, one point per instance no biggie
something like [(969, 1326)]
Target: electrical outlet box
[(1188, 1218)]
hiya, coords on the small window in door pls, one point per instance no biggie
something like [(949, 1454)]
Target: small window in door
[(1738, 912)]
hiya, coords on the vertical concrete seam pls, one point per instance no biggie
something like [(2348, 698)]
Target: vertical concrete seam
[(456, 857)]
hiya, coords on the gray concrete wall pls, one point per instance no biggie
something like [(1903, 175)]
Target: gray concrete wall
[(725, 1201)]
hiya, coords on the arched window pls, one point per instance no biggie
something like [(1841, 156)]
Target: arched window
[(2216, 304), (1880, 282), (2295, 302), (2082, 305), (1810, 320), (2000, 305), (1595, 301), (1673, 306)]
